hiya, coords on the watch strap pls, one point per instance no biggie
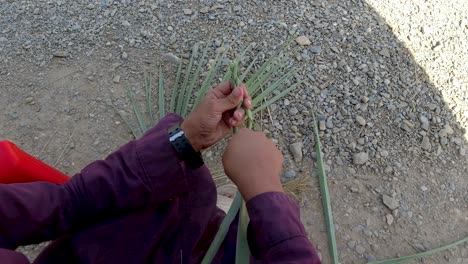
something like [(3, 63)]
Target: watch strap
[(184, 149)]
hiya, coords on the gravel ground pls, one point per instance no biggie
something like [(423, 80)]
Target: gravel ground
[(388, 80)]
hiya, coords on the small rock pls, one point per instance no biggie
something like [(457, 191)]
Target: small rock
[(204, 10), (385, 52), (125, 23), (293, 111), (390, 202), (322, 125), (90, 6), (296, 151), (424, 122), (29, 100), (447, 130), (171, 58), (462, 151), (286, 102), (316, 49), (360, 158), (60, 54), (390, 219), (124, 55), (351, 244), (187, 11), (303, 41), (360, 249), (426, 144), (116, 79), (289, 174), (364, 99), (360, 120)]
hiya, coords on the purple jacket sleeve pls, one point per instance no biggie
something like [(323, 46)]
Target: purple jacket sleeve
[(275, 232), (143, 172)]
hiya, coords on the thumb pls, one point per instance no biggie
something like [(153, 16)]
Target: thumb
[(230, 101)]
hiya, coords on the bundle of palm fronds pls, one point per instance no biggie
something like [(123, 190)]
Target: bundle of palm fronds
[(266, 84)]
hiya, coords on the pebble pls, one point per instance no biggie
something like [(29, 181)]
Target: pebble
[(303, 41), (116, 79), (426, 144), (293, 111), (316, 49), (286, 102), (360, 120), (390, 219), (360, 158), (289, 174), (124, 55), (385, 52), (447, 130), (322, 125), (360, 249), (171, 58), (364, 99), (125, 23), (29, 100), (390, 202), (296, 151), (187, 11), (60, 54), (351, 244), (204, 10)]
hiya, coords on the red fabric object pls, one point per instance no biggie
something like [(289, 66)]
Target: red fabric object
[(18, 166)]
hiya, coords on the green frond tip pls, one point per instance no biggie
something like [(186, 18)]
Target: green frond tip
[(209, 78), (325, 197), (136, 134), (149, 94), (193, 81), (223, 229), (276, 98), (185, 83), (175, 89), (162, 110), (420, 255), (137, 110)]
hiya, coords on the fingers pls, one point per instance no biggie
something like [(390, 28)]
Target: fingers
[(232, 100), (222, 90), (246, 97)]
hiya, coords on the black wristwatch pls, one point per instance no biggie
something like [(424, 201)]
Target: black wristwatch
[(192, 158)]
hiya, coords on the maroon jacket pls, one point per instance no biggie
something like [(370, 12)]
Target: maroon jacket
[(142, 205)]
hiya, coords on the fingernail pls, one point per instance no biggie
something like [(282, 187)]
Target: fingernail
[(237, 92), (249, 102)]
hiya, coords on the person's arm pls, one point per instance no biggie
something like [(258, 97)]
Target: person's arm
[(145, 172), (142, 173), (275, 232)]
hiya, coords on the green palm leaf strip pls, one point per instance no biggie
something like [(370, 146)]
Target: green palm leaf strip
[(265, 78), (273, 87), (420, 255), (188, 71), (249, 68), (325, 197), (175, 88), (275, 98), (162, 110), (209, 78), (195, 76), (242, 245), (149, 92), (136, 134), (136, 110), (223, 230)]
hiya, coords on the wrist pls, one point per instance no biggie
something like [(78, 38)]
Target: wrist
[(191, 135), (252, 191)]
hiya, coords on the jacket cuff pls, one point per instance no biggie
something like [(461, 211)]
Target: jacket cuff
[(274, 218)]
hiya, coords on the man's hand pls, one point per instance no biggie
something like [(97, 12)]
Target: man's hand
[(253, 163), (216, 115)]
